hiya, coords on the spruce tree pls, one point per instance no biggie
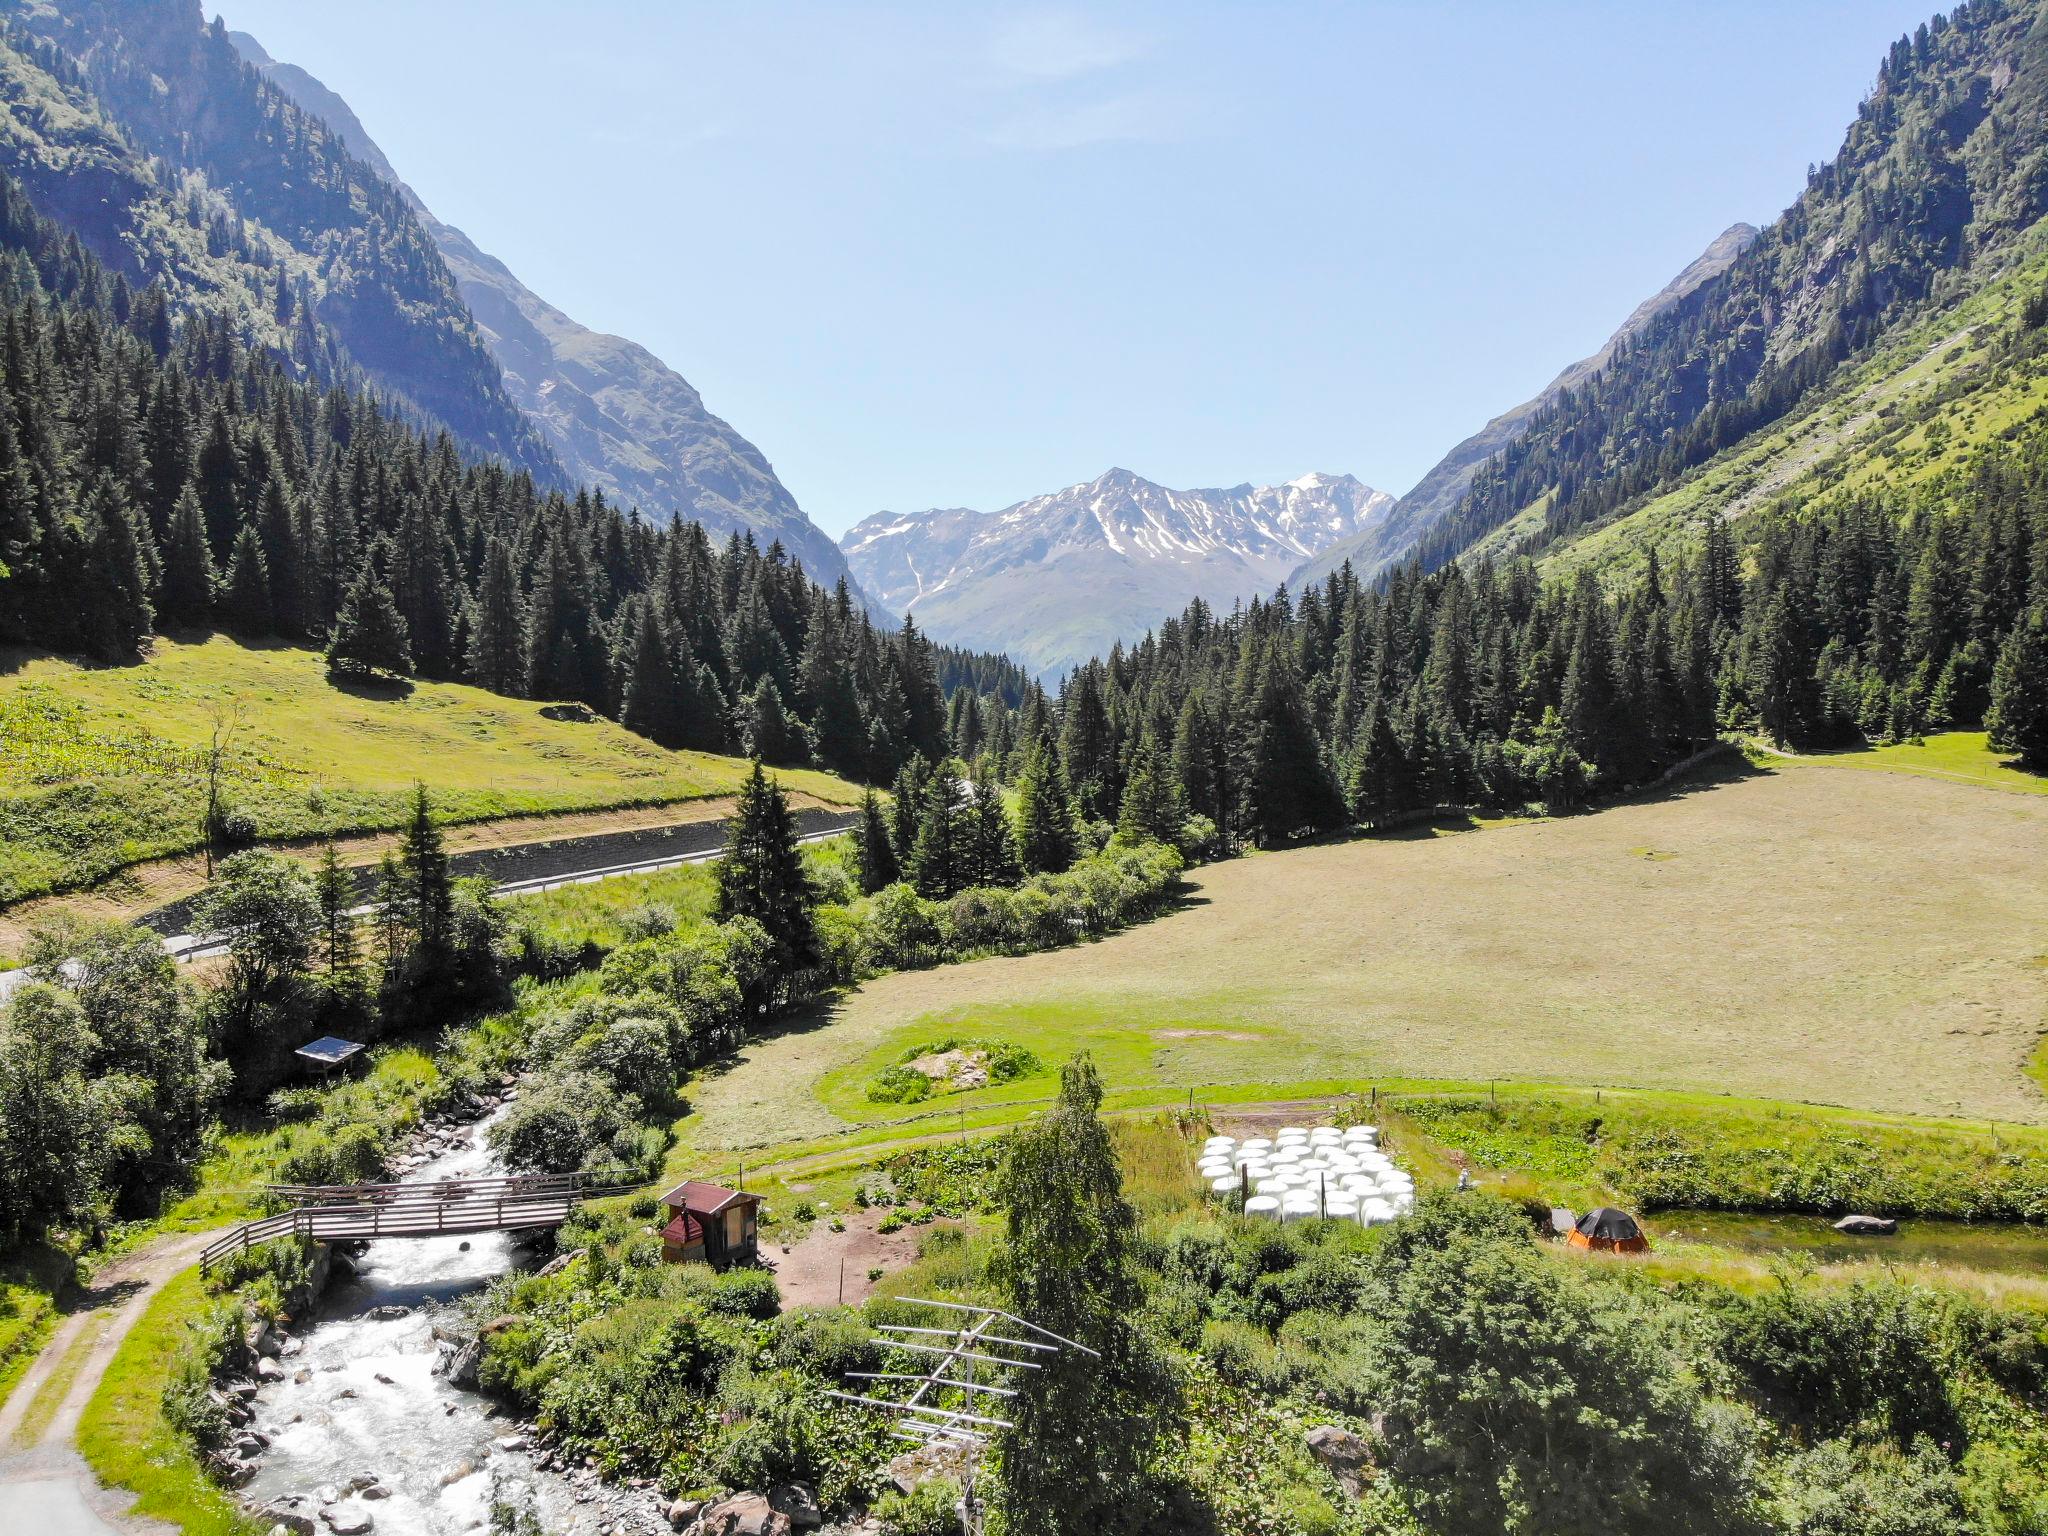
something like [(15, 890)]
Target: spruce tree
[(873, 855), (941, 858), (1046, 839), (369, 636), (907, 804), (245, 598), (1152, 807), (773, 734), (2018, 718), (186, 597), (497, 628), (993, 841), (114, 598), (336, 890), (427, 890), (762, 874), (647, 695), (1087, 1426)]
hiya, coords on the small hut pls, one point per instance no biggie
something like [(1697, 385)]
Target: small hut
[(709, 1224), (1607, 1230), (328, 1054)]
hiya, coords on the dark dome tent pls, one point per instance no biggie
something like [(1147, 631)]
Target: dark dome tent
[(1607, 1230)]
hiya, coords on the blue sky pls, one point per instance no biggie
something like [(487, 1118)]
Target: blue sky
[(957, 255)]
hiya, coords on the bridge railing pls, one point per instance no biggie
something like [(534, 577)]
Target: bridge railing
[(361, 1212)]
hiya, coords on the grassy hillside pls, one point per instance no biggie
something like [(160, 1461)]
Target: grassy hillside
[(1694, 941), (1910, 415), (103, 768)]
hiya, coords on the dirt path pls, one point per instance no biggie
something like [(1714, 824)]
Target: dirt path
[(46, 1483)]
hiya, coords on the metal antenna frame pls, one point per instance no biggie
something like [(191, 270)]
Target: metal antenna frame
[(923, 1419)]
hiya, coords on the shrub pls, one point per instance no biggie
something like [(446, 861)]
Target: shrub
[(650, 921), (1840, 1488), (745, 1293), (899, 1085), (930, 1509)]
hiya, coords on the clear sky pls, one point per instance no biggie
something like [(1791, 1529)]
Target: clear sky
[(955, 255)]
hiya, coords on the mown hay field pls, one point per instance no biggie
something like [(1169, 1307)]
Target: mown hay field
[(103, 768), (1871, 940)]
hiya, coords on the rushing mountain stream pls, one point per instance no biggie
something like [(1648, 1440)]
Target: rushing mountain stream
[(365, 1425)]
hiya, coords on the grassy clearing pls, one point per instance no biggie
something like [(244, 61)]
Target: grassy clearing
[(123, 1433), (103, 768), (1958, 757), (1547, 952)]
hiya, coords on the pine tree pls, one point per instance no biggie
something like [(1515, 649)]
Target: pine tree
[(941, 857), (1380, 781), (186, 597), (369, 636), (115, 614), (497, 628), (2018, 718), (245, 598), (647, 695), (1152, 808), (336, 891), (773, 734), (762, 874), (1086, 1426), (907, 804), (427, 890), (992, 840), (1046, 839), (873, 855)]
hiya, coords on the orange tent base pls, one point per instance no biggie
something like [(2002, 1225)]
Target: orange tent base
[(1637, 1244)]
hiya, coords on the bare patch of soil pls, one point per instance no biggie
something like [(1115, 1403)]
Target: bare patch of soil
[(809, 1274)]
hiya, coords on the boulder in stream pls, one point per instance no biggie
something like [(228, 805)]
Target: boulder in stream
[(344, 1521), (744, 1514), (1867, 1226)]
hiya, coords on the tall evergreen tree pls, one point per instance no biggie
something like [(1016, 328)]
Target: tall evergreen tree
[(941, 858), (2018, 720), (762, 874), (245, 597), (1088, 1423), (369, 636), (873, 854), (186, 597), (992, 846), (1046, 841), (1152, 806)]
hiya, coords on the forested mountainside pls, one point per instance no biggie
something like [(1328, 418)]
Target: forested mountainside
[(159, 471), (1436, 495), (1060, 578), (139, 127), (1938, 182), (619, 419)]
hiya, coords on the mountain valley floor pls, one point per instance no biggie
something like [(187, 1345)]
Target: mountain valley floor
[(1870, 940)]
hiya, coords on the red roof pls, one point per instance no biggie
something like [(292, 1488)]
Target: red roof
[(701, 1199), (684, 1232)]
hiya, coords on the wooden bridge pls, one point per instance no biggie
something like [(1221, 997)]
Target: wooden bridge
[(344, 1213)]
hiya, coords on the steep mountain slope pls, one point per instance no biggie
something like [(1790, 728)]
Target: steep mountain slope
[(138, 127), (1935, 195), (1059, 578), (1437, 494), (615, 414)]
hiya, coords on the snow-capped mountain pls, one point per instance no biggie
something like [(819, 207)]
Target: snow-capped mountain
[(1062, 577)]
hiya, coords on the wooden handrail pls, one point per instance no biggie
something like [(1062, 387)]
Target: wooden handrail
[(357, 1212)]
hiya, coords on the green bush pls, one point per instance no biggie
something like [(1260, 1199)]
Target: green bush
[(899, 1085), (745, 1293), (930, 1509)]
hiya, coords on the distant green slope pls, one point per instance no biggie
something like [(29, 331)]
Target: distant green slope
[(104, 768), (1907, 420)]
